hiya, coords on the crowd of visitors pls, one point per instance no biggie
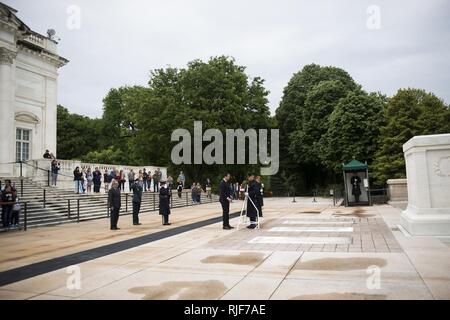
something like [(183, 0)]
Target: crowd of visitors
[(87, 181)]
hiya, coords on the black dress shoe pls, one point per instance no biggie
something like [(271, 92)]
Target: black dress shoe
[(230, 227), (227, 228), (252, 226), (137, 224), (166, 224)]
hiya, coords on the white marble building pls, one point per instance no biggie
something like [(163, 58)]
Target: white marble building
[(29, 65)]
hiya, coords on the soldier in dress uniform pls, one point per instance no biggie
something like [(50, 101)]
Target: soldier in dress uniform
[(164, 202), (252, 190), (259, 196), (137, 188), (356, 189)]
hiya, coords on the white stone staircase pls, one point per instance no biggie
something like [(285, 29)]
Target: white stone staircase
[(55, 209)]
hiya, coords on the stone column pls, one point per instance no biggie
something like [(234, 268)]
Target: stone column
[(428, 173), (6, 111)]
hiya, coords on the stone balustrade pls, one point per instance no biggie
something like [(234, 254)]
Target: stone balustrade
[(38, 170)]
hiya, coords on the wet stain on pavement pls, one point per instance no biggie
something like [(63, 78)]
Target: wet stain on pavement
[(182, 290), (244, 258), (340, 296), (341, 264), (358, 213), (310, 211)]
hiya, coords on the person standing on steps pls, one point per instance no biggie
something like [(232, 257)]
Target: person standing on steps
[(182, 178), (77, 178), (55, 169), (106, 180), (137, 188), (145, 179), (114, 203), (164, 203), (180, 189), (89, 180), (225, 199), (208, 188), (131, 179), (97, 179)]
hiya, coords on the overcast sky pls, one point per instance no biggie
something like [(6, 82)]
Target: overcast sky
[(118, 42)]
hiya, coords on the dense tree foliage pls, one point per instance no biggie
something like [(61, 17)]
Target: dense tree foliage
[(324, 117), (303, 118), (77, 135), (410, 112), (353, 130), (138, 121)]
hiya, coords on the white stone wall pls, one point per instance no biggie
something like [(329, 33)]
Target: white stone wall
[(428, 173), (28, 90)]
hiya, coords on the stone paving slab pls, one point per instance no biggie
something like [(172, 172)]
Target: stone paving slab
[(211, 263)]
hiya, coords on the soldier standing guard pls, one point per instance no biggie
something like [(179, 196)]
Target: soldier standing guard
[(252, 190), (356, 190), (164, 203), (259, 196), (137, 188)]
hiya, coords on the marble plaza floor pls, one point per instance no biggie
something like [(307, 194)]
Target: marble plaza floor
[(304, 250)]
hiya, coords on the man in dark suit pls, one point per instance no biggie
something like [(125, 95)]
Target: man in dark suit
[(114, 204), (225, 198)]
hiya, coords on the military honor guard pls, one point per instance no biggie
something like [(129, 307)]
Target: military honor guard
[(164, 202), (252, 190), (137, 188)]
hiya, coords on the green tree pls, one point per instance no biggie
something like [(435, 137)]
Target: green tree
[(302, 117), (409, 112), (76, 134), (217, 92), (353, 130), (109, 155)]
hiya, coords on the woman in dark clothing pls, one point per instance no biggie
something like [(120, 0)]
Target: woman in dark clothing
[(106, 180), (164, 203), (97, 179)]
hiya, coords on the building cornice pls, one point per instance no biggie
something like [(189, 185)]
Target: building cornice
[(58, 61)]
